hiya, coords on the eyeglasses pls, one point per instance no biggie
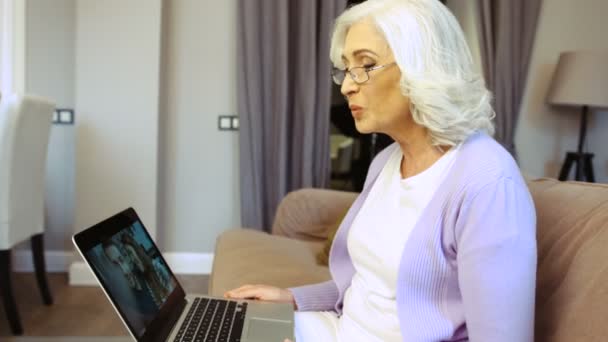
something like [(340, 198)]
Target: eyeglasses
[(359, 75)]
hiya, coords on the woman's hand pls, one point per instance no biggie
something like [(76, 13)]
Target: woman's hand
[(262, 292)]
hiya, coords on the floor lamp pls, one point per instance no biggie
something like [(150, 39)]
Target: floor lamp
[(580, 79)]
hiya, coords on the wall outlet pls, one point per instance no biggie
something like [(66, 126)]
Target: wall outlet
[(224, 123)]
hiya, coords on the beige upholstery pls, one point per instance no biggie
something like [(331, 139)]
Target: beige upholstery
[(572, 279), (307, 214), (287, 262)]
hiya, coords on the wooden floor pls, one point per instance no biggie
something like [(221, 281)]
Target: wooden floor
[(77, 311)]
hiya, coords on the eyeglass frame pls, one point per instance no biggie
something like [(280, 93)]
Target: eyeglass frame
[(353, 75)]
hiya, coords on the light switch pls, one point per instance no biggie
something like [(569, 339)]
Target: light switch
[(224, 123), (65, 116)]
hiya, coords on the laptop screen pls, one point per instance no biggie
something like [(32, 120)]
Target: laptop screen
[(133, 273)]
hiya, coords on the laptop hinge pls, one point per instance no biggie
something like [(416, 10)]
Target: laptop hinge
[(163, 334)]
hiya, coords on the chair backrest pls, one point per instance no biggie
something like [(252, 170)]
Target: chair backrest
[(25, 123), (572, 277)]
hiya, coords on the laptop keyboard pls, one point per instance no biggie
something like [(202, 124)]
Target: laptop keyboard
[(213, 320)]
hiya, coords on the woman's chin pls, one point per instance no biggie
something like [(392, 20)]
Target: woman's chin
[(362, 127)]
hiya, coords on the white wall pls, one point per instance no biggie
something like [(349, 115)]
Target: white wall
[(50, 49), (50, 72), (198, 174), (116, 96), (544, 132)]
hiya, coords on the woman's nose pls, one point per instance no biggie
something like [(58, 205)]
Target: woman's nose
[(349, 86)]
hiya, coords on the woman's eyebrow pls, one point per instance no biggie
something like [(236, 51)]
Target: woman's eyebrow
[(360, 51)]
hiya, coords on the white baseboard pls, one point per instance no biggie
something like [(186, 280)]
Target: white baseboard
[(189, 263), (61, 261), (180, 263), (56, 261)]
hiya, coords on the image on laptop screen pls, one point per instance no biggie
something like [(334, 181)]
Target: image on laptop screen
[(134, 274)]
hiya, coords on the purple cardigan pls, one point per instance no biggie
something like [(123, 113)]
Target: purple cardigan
[(468, 269)]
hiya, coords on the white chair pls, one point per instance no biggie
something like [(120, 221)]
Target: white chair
[(25, 123)]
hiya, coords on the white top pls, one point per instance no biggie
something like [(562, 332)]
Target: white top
[(375, 243)]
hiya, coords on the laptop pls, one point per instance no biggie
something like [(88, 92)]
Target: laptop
[(150, 300)]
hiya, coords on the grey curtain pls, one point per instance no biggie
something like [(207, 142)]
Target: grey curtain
[(506, 30), (283, 101)]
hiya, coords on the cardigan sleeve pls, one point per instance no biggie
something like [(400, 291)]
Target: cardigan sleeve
[(316, 297), (496, 258)]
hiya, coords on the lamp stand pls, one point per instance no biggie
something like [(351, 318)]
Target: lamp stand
[(584, 167)]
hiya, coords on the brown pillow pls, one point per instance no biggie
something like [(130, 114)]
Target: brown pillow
[(323, 255)]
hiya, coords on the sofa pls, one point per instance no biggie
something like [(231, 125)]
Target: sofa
[(572, 237)]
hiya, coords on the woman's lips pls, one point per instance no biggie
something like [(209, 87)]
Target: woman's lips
[(356, 110)]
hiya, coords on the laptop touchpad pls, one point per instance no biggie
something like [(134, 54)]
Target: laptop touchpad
[(268, 330)]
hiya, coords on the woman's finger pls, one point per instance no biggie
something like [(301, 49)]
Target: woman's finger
[(243, 290), (234, 292), (244, 287), (245, 293)]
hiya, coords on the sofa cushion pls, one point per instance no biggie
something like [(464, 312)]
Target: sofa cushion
[(572, 278), (323, 254), (245, 256)]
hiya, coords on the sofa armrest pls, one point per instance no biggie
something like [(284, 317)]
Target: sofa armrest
[(306, 214)]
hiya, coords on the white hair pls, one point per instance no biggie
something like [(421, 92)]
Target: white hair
[(447, 96)]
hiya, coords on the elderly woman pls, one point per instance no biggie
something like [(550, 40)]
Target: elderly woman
[(441, 243)]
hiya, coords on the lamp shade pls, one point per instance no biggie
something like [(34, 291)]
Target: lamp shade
[(580, 79)]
